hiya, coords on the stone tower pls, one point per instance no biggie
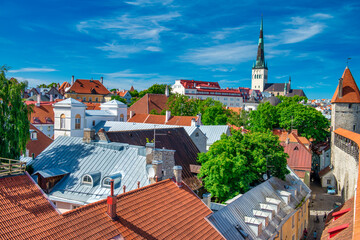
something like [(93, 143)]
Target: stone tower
[(345, 104), (259, 74)]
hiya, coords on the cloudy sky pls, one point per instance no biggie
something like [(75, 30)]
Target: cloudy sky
[(142, 42)]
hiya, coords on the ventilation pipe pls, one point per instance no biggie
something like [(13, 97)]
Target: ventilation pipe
[(38, 98)]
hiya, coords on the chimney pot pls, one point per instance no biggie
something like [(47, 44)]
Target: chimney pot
[(138, 183), (167, 116), (38, 98), (207, 199), (51, 98), (177, 174), (72, 80), (124, 188), (89, 135), (157, 165)]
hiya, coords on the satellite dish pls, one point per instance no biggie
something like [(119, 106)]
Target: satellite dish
[(265, 177)]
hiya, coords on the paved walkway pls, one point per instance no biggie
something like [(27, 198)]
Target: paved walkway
[(321, 203)]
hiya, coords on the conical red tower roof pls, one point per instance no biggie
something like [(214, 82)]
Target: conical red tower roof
[(350, 91)]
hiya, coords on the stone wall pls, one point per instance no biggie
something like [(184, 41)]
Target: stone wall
[(345, 161), (346, 115)]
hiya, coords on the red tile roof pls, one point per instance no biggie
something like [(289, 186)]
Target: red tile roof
[(121, 93), (88, 87), (350, 90), (160, 119), (149, 102), (299, 156), (158, 211), (92, 106), (193, 84), (293, 136), (38, 145), (343, 226), (324, 171), (43, 114), (63, 86)]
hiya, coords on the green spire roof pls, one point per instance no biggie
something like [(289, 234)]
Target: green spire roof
[(260, 59)]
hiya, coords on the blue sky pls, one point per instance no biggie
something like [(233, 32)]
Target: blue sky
[(142, 42)]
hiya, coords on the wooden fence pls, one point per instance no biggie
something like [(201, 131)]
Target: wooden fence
[(11, 166)]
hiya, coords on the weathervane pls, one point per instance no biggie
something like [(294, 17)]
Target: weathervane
[(347, 61)]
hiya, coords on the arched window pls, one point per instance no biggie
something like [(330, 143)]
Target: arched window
[(87, 180), (121, 117), (62, 121), (106, 182), (77, 121)]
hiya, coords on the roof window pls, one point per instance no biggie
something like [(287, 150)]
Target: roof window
[(114, 176), (91, 179)]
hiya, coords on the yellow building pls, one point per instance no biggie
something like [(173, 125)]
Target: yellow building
[(87, 91)]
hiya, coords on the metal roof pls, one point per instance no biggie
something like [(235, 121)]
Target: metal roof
[(98, 113), (69, 102), (249, 204), (78, 158), (214, 132), (52, 172)]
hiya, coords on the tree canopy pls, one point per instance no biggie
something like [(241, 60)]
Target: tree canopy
[(236, 162), (290, 114), (14, 122), (117, 97)]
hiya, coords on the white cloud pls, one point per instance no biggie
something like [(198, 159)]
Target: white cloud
[(149, 2), (123, 51), (231, 53), (32, 70), (225, 32)]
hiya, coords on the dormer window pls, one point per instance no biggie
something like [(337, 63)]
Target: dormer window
[(106, 182), (87, 180), (33, 135)]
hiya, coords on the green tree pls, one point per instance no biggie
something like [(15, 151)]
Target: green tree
[(117, 97), (213, 112), (264, 118), (181, 105), (134, 93), (235, 162), (14, 122), (239, 119), (155, 89)]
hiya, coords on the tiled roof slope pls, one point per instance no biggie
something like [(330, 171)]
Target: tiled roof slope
[(44, 114), (299, 156), (149, 102), (296, 92), (350, 90), (160, 119), (346, 218), (158, 211), (176, 139), (38, 145), (274, 87), (88, 87)]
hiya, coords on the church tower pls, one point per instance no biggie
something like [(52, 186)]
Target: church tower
[(259, 71)]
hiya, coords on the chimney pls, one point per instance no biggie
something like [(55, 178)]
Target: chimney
[(295, 131), (102, 80), (89, 135), (287, 141), (132, 113), (167, 116), (177, 174), (167, 91), (198, 123), (38, 98), (157, 166), (72, 80), (340, 92), (102, 135), (207, 199), (193, 122), (149, 148), (111, 202), (51, 98)]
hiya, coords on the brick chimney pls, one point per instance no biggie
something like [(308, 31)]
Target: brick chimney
[(340, 92), (72, 80), (132, 113), (89, 135), (38, 100), (166, 156), (111, 202), (177, 174), (102, 135), (167, 116)]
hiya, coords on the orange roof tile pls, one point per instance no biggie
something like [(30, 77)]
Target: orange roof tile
[(236, 109), (149, 102), (44, 114), (38, 145), (64, 85), (160, 119), (350, 90), (158, 211), (92, 106), (88, 87), (346, 218), (121, 93)]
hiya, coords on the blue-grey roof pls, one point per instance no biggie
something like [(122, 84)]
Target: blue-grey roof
[(98, 113), (114, 103), (98, 159), (52, 172), (214, 132), (226, 218)]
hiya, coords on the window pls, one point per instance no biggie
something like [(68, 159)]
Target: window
[(48, 128), (93, 122), (33, 135), (54, 203), (77, 121), (196, 134), (75, 207), (106, 182), (328, 181), (87, 180), (121, 117), (62, 121), (354, 128), (96, 99), (84, 99), (350, 105), (90, 99)]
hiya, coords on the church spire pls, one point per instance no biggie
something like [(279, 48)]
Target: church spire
[(260, 59)]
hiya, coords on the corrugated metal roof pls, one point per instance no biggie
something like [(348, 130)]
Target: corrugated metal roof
[(78, 158), (214, 132), (52, 172), (227, 218)]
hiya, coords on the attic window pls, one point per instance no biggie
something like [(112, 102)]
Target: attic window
[(335, 230), (87, 180), (296, 148), (33, 135), (106, 182), (196, 134)]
